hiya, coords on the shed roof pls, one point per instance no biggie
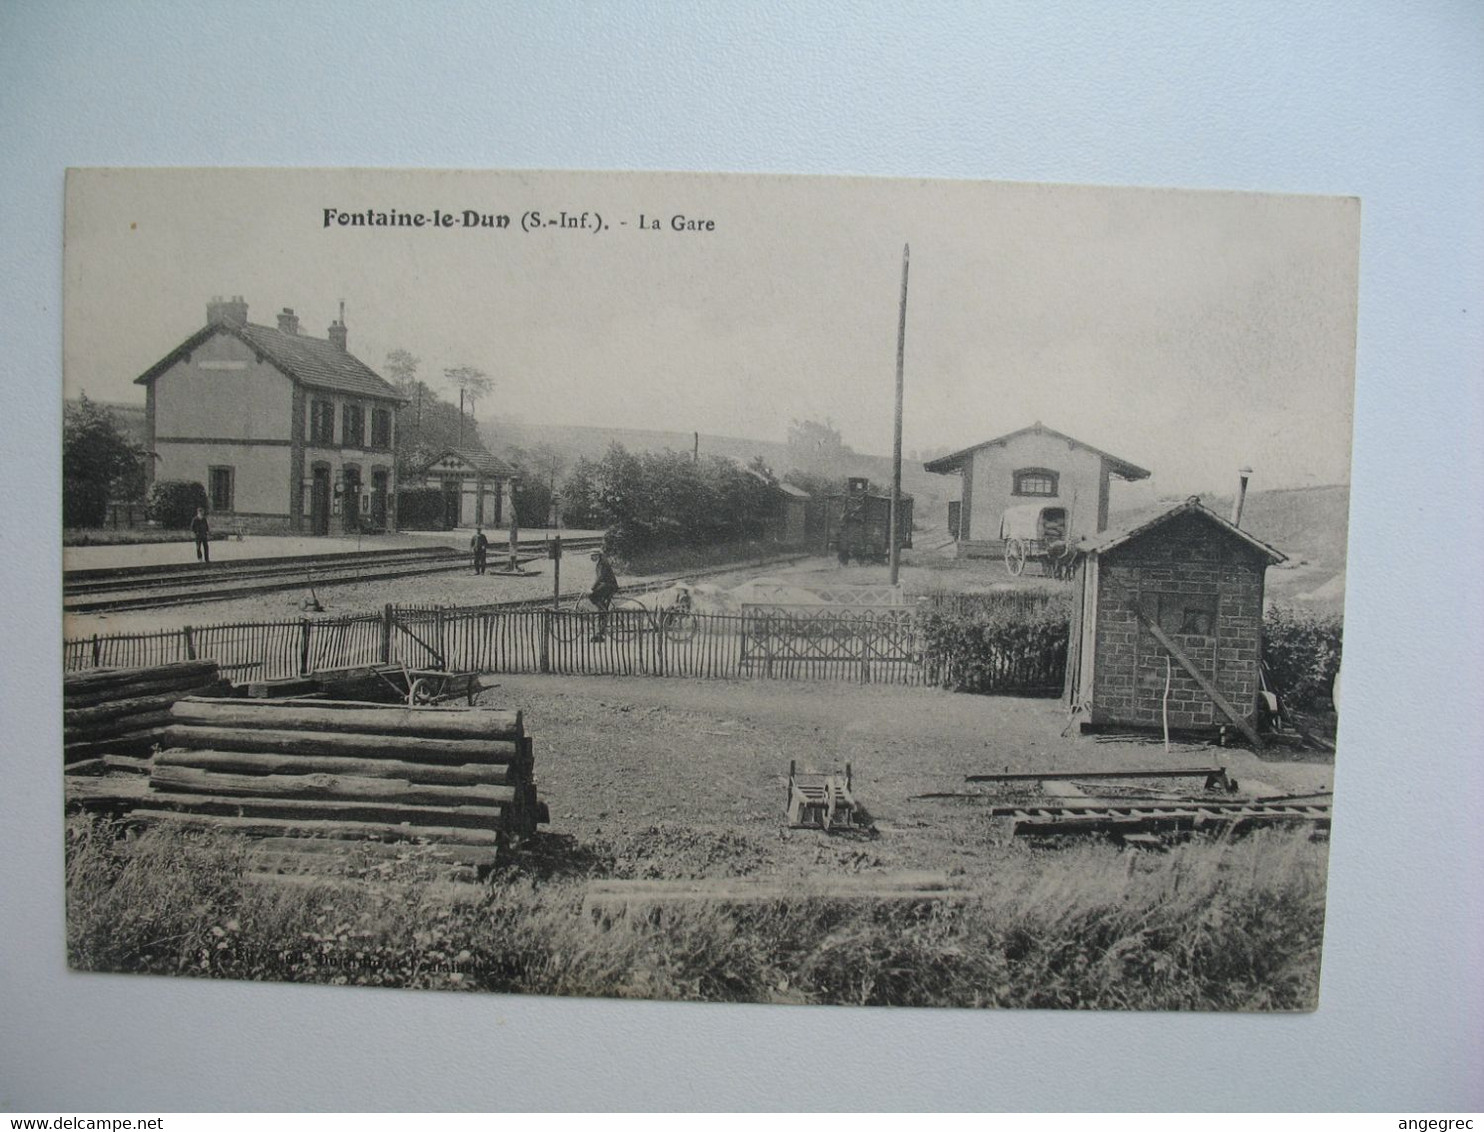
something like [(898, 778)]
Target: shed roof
[(481, 460), (1145, 521), (954, 460), (315, 362)]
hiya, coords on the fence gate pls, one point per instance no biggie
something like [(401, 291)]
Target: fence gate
[(803, 642)]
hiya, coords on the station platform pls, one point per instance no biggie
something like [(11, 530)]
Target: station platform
[(252, 547)]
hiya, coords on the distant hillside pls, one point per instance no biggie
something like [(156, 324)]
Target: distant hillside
[(1309, 524)]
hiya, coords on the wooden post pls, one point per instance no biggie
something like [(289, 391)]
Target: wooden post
[(97, 650), (545, 616), (190, 643), (303, 648), (896, 443), (386, 633), (556, 572)]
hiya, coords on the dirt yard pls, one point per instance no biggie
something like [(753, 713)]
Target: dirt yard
[(688, 777)]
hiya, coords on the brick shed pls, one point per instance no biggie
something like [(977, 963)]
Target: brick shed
[(1182, 585)]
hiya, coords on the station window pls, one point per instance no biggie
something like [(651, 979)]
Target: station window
[(220, 489), (1035, 481), (381, 428), (322, 422), (353, 432)]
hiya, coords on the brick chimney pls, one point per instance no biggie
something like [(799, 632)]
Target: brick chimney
[(337, 328), (226, 312), (288, 321)]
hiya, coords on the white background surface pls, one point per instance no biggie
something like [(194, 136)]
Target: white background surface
[(1382, 101)]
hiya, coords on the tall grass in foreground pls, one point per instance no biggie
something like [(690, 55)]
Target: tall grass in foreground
[(1210, 926)]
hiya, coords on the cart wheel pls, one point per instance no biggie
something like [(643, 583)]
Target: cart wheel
[(1015, 557), (421, 692)]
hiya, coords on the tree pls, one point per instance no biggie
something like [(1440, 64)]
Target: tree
[(578, 497), (98, 460), (401, 367), (760, 466), (547, 465), (817, 447), (540, 468), (471, 384)]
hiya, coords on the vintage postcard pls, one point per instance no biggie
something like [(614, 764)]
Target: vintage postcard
[(710, 587)]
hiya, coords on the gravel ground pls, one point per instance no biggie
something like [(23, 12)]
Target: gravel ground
[(689, 777)]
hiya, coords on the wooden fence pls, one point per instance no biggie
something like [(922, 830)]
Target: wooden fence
[(768, 643)]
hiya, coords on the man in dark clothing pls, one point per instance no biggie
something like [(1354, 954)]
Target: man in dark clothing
[(202, 532), (605, 585), (481, 546)]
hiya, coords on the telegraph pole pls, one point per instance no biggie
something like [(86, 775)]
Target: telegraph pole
[(896, 443)]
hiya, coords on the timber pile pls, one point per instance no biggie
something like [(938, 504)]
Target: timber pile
[(312, 775), (122, 711)]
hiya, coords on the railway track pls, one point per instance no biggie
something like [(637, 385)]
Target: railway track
[(1091, 816), (148, 587)]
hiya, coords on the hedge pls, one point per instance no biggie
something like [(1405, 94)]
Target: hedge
[(1006, 650), (1302, 654), (421, 509)]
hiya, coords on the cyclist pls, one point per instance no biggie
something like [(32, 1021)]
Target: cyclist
[(605, 585)]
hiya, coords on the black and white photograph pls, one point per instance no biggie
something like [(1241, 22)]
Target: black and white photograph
[(713, 588)]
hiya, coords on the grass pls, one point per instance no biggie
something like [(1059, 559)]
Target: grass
[(1210, 925)]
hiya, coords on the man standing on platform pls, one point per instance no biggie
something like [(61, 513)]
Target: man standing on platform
[(480, 545), (202, 532)]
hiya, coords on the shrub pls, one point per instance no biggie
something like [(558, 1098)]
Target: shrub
[(173, 503), (1302, 654), (652, 502), (421, 509), (1013, 648)]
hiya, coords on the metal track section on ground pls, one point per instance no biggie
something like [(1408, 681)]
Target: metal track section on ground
[(1096, 816)]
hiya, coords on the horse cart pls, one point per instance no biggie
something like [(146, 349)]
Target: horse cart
[(1034, 532)]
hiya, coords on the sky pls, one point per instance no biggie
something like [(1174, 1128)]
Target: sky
[(1187, 332)]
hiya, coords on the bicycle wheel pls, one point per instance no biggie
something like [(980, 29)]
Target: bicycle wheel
[(575, 621), (627, 617), (679, 625)]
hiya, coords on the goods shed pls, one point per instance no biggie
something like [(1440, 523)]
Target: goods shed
[(1171, 601)]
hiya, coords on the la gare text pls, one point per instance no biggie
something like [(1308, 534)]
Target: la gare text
[(532, 220)]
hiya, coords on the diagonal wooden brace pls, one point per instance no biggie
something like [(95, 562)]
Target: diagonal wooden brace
[(1184, 661)]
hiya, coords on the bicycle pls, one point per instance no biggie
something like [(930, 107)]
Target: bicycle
[(583, 616), (676, 622)]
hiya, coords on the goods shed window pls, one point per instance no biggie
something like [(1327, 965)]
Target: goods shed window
[(1035, 481), (1182, 615)]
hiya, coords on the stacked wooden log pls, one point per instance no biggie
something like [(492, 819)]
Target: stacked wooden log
[(314, 774), (122, 711)]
